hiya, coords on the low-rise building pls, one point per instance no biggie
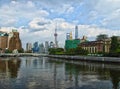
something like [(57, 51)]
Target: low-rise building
[(97, 46)]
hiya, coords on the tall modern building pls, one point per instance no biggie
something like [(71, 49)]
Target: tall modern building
[(55, 34), (35, 48), (68, 36), (28, 47), (71, 36), (41, 48), (51, 45), (46, 47), (76, 32)]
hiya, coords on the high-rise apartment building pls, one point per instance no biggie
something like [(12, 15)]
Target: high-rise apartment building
[(51, 44), (35, 48), (28, 47), (41, 48), (46, 47), (76, 32)]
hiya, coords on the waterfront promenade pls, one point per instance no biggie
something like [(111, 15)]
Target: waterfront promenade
[(67, 57), (21, 54)]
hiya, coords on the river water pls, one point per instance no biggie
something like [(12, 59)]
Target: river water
[(49, 73)]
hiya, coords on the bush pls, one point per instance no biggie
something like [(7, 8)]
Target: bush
[(8, 51), (56, 50)]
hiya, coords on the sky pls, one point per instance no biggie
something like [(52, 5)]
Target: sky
[(36, 20)]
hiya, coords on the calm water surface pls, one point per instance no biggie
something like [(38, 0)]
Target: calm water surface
[(47, 73)]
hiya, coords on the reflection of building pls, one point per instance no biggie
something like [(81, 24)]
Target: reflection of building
[(46, 46), (3, 40), (9, 68), (28, 47)]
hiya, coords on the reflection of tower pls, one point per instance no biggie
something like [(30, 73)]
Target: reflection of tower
[(76, 32), (56, 42)]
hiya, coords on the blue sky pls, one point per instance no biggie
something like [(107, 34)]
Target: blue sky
[(36, 19)]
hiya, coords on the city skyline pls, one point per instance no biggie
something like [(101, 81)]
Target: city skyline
[(36, 20)]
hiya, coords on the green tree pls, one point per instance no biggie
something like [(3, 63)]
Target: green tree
[(115, 47), (21, 50), (80, 51), (70, 51), (56, 50), (114, 44), (102, 37)]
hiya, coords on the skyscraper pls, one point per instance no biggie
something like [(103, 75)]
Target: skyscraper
[(28, 47), (46, 46), (35, 48), (51, 44), (76, 32), (71, 36), (41, 48), (68, 36)]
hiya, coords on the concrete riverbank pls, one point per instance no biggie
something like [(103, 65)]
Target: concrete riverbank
[(88, 58), (21, 54)]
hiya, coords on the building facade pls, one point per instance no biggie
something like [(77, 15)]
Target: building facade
[(29, 47), (41, 48), (14, 41), (3, 40), (10, 41), (46, 47), (96, 46), (35, 48), (69, 44)]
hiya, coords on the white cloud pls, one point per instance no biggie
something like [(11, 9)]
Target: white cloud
[(109, 10), (41, 28), (15, 10), (63, 27)]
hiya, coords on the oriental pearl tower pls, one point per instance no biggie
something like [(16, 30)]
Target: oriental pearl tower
[(55, 35)]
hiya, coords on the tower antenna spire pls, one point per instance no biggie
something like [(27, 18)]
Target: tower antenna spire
[(55, 35)]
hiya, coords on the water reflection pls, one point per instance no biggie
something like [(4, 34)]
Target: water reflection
[(9, 67), (47, 73)]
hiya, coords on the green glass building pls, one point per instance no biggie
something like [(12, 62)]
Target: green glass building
[(69, 44)]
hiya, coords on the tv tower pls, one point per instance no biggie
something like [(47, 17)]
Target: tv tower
[(55, 34)]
